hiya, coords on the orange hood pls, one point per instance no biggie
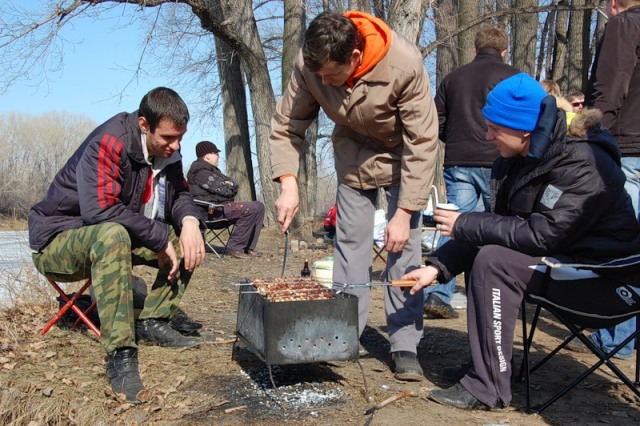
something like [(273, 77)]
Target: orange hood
[(377, 39)]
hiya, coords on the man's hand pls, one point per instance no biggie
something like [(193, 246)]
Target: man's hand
[(191, 244), (425, 276), (168, 255), (445, 221), (396, 234), (288, 202)]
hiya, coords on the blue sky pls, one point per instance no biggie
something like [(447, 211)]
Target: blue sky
[(97, 77)]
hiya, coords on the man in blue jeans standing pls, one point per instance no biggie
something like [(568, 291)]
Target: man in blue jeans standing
[(468, 155), (614, 88)]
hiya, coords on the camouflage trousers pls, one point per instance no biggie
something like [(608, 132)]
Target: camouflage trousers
[(103, 253)]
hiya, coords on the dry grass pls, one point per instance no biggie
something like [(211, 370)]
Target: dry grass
[(59, 378), (13, 223)]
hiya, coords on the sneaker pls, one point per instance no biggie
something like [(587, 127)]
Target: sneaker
[(253, 253), (124, 375), (436, 308), (406, 366), (157, 331)]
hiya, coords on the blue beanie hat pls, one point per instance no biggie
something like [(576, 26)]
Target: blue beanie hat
[(515, 103)]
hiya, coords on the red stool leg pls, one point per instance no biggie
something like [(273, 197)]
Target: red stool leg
[(70, 304)]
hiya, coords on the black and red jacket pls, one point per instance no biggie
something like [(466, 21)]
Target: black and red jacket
[(108, 180)]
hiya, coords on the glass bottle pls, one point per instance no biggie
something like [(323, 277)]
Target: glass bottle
[(306, 272)]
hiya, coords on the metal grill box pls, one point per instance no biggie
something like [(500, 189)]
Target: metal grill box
[(298, 332)]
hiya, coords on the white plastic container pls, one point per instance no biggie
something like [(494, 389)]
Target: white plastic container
[(322, 271)]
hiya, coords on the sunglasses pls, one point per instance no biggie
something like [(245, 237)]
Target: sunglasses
[(575, 104)]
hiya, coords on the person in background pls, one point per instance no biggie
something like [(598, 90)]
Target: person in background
[(329, 223), (614, 88), (468, 155), (576, 99), (555, 195), (552, 88), (208, 183), (372, 83), (122, 200)]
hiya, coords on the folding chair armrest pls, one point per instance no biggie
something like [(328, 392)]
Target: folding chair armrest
[(214, 210)]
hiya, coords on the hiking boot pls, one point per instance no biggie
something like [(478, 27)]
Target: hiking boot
[(123, 373), (157, 331), (457, 396), (436, 308), (456, 373), (406, 366)]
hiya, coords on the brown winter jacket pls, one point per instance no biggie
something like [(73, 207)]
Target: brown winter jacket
[(614, 87), (386, 127)]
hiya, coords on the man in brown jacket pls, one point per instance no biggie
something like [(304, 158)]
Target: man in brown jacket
[(372, 83)]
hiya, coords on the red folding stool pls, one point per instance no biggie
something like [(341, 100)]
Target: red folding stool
[(71, 304)]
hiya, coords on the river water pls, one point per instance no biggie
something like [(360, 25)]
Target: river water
[(16, 267)]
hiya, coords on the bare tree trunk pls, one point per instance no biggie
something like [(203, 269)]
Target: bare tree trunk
[(406, 16), (468, 11), (237, 144), (294, 25), (504, 20), (575, 52), (234, 23), (445, 24), (560, 47), (361, 5), (544, 48), (587, 54), (551, 42), (379, 9), (525, 31)]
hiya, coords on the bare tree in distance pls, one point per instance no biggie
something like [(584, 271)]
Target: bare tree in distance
[(34, 148)]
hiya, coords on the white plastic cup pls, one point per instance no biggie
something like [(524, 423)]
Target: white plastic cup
[(447, 206)]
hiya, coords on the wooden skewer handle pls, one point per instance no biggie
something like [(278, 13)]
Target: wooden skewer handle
[(406, 283), (403, 283)]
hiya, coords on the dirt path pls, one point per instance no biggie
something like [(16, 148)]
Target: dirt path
[(59, 378)]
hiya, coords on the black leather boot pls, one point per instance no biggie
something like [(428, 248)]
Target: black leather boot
[(159, 332), (123, 373), (457, 396)]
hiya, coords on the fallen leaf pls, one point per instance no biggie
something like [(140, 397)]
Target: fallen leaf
[(49, 375), (50, 354), (9, 366)]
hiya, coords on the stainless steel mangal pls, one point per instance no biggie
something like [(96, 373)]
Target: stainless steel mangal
[(298, 332)]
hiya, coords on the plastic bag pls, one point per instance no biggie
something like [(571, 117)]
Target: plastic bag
[(379, 225)]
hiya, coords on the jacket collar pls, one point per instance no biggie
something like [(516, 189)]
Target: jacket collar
[(488, 53)]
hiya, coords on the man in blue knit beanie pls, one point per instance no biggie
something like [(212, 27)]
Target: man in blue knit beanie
[(552, 196)]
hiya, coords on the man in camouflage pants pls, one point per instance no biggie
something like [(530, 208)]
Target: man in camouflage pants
[(121, 200)]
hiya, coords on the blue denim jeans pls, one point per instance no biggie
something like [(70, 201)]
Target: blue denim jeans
[(470, 189), (609, 338)]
